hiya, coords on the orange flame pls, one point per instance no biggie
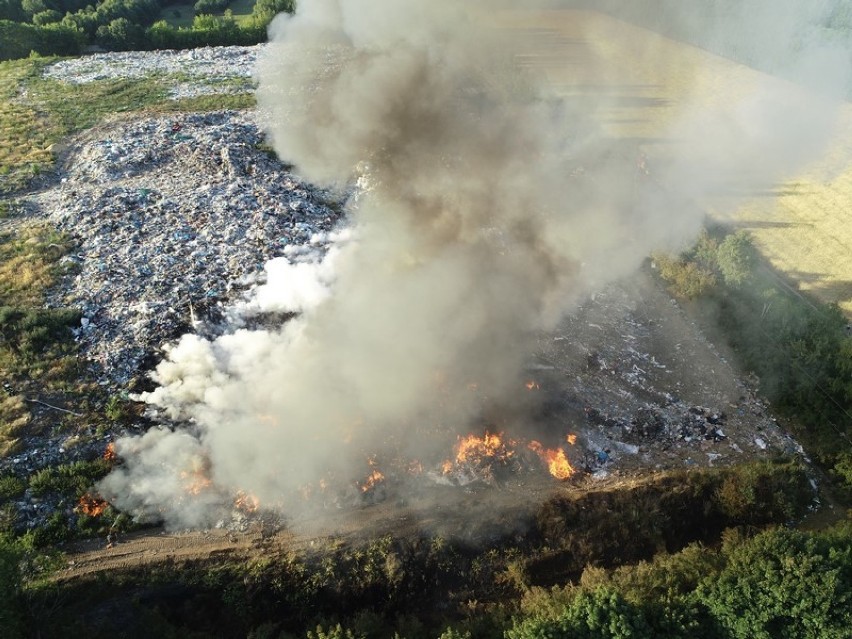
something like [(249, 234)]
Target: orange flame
[(532, 385), (571, 439), (91, 505), (246, 502), (480, 451), (373, 479), (196, 481), (473, 448), (555, 460), (109, 454)]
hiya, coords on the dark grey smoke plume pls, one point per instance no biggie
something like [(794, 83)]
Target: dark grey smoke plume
[(486, 205)]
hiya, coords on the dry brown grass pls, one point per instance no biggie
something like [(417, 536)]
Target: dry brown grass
[(25, 134), (640, 83), (14, 417), (29, 263)]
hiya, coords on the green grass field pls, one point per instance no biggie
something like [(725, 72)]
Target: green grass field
[(178, 15), (182, 15), (241, 9)]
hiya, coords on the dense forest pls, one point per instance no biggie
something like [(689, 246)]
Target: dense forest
[(70, 27)]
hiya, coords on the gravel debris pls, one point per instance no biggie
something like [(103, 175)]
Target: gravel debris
[(172, 216), (202, 71)]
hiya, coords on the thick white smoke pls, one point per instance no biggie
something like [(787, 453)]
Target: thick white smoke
[(487, 206)]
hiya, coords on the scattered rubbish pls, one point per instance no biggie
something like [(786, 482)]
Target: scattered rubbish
[(190, 73), (163, 226)]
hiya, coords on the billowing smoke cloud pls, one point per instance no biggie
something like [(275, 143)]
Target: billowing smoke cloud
[(486, 205)]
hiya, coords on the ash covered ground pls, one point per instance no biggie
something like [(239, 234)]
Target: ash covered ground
[(175, 216)]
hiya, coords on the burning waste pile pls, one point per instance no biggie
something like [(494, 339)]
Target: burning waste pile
[(471, 232)]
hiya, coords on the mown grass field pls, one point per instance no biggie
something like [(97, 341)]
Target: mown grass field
[(644, 86)]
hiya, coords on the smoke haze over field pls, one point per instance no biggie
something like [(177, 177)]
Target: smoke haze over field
[(486, 207)]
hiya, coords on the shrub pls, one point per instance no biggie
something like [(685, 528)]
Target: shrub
[(18, 39), (11, 606), (11, 487), (30, 331), (764, 492), (46, 17), (736, 259), (55, 530), (687, 279), (333, 632), (843, 469), (120, 35), (784, 584), (11, 10), (210, 6), (598, 614), (269, 8), (68, 479)]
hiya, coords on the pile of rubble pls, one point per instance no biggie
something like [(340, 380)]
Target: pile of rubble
[(189, 73), (645, 389), (171, 216)]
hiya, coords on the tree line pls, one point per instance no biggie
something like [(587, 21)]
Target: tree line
[(68, 27)]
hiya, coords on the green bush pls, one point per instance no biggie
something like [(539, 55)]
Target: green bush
[(210, 6), (55, 530), (597, 614), (764, 492), (800, 349), (11, 487), (11, 604), (30, 331), (19, 39), (736, 259), (686, 278), (11, 10), (46, 17), (42, 482), (120, 35), (72, 480), (843, 469), (784, 584), (333, 632), (267, 9)]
